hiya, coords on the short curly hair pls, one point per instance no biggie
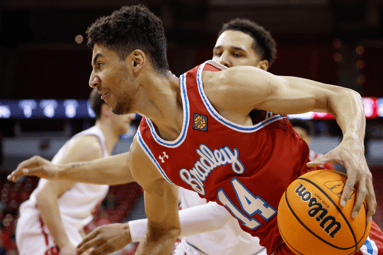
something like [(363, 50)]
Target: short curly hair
[(130, 28), (264, 44)]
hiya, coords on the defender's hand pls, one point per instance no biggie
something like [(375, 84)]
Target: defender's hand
[(350, 154), (36, 166), (106, 239)]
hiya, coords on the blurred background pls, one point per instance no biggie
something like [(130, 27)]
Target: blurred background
[(45, 67)]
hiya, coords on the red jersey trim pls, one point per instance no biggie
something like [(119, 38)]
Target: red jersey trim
[(150, 155), (234, 126)]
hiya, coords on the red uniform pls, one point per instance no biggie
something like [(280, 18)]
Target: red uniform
[(244, 168)]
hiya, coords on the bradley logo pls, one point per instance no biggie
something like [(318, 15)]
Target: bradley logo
[(327, 222)]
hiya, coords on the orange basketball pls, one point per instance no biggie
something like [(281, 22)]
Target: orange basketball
[(311, 220)]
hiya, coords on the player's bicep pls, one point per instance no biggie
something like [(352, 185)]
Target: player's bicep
[(297, 95), (161, 207), (161, 197), (249, 88)]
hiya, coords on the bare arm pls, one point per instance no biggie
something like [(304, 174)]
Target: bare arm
[(161, 207), (248, 88), (112, 170), (194, 221), (83, 148)]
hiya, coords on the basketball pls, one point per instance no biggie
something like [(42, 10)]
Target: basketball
[(311, 220)]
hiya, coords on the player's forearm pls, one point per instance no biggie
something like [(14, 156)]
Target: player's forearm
[(194, 221), (347, 106), (158, 241), (50, 214), (112, 170)]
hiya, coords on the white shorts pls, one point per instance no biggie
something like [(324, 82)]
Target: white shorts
[(183, 248), (33, 238)]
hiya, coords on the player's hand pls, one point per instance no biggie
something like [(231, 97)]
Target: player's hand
[(350, 153), (106, 239), (36, 166)]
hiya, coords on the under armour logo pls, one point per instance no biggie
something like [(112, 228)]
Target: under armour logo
[(163, 157)]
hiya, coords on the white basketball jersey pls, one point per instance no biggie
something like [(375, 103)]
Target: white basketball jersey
[(77, 204), (228, 240)]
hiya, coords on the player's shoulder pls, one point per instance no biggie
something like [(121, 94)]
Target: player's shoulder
[(142, 167), (86, 146)]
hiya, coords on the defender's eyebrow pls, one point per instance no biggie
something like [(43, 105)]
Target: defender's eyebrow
[(95, 58), (233, 47)]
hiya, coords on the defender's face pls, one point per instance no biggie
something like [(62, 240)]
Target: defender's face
[(110, 75), (234, 48)]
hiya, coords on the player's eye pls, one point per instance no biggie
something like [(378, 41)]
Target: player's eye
[(217, 53), (237, 55)]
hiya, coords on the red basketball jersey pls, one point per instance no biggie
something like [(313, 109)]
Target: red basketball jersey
[(244, 168)]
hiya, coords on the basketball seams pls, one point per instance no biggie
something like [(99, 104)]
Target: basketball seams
[(330, 244), (343, 216), (289, 245)]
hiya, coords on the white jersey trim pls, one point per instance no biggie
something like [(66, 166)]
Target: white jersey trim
[(149, 153), (181, 138), (237, 127)]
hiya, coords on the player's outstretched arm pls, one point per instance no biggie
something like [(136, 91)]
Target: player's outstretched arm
[(248, 88), (112, 170), (161, 207)]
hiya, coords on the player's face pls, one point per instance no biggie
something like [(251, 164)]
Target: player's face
[(111, 76), (234, 48)]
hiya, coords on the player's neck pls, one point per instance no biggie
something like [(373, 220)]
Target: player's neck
[(162, 104), (111, 138)]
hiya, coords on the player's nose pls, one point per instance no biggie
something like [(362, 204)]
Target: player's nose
[(225, 60), (93, 81)]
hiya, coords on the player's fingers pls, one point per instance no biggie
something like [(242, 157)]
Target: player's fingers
[(371, 201), (29, 163), (360, 196), (347, 190), (102, 249), (323, 160), (89, 241)]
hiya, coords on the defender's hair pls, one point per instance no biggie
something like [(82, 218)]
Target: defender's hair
[(130, 28), (264, 44)]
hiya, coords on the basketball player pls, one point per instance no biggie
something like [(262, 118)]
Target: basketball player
[(240, 42), (226, 158), (52, 220)]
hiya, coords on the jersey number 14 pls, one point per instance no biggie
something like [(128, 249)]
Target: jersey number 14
[(250, 204)]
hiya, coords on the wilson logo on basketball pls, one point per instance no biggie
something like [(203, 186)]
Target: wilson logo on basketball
[(327, 222)]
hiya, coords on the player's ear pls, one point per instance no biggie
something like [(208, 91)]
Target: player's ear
[(138, 60), (263, 64)]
